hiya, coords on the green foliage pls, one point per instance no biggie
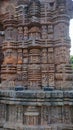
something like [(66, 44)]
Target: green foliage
[(72, 66), (71, 60)]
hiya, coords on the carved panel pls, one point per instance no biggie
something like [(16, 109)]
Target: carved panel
[(66, 114), (20, 34), (44, 55), (44, 31), (32, 116), (2, 112)]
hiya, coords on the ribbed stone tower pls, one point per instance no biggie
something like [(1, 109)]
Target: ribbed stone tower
[(36, 89)]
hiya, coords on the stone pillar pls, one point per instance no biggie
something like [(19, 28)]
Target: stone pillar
[(62, 48), (44, 67), (20, 33), (25, 33), (51, 67), (19, 67), (34, 76), (25, 68), (8, 69)]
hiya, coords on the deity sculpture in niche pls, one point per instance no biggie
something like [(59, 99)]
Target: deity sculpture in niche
[(34, 33)]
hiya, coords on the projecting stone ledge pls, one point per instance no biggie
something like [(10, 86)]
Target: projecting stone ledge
[(55, 97), (43, 127)]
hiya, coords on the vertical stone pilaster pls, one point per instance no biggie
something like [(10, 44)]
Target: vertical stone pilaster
[(8, 69)]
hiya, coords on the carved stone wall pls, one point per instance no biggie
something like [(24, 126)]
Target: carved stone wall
[(36, 78), (36, 109), (36, 43)]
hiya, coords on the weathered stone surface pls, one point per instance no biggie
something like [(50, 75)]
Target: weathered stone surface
[(36, 90), (35, 43)]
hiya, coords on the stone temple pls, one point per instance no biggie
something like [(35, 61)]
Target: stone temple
[(36, 78)]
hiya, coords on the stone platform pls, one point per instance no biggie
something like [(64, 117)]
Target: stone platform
[(36, 110)]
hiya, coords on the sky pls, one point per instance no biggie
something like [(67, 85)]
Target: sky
[(71, 36)]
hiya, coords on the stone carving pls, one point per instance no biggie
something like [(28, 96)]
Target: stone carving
[(25, 33), (34, 33), (44, 32), (50, 40), (32, 116), (36, 78), (2, 112), (20, 33)]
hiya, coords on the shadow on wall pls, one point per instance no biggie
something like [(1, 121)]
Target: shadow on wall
[(1, 41)]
